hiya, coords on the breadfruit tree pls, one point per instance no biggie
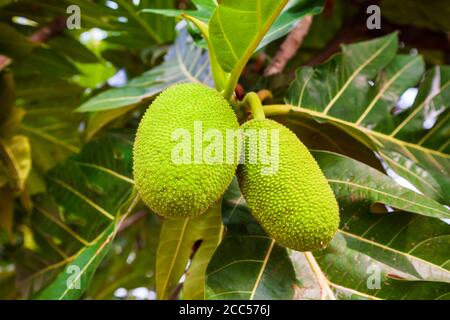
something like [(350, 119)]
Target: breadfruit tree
[(203, 149)]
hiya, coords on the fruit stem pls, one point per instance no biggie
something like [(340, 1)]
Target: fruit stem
[(252, 99)]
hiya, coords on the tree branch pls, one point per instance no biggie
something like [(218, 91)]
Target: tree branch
[(132, 220), (289, 47)]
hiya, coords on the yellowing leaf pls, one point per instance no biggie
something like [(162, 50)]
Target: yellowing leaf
[(16, 158)]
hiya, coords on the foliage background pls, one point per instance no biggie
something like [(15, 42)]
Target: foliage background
[(372, 105)]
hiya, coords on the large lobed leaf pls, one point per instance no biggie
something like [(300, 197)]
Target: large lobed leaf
[(395, 256), (175, 251), (79, 216), (183, 63), (127, 28), (293, 12), (358, 91), (49, 123), (234, 30), (374, 255), (130, 263), (350, 177), (259, 269)]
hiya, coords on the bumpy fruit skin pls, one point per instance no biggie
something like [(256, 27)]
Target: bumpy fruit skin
[(295, 206), (181, 190)]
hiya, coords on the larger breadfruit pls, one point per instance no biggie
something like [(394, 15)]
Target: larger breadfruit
[(295, 204), (168, 187)]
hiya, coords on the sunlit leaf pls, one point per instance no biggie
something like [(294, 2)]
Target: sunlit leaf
[(12, 43), (284, 23), (359, 182), (131, 261), (183, 63), (194, 284), (177, 240), (15, 156), (371, 252), (260, 269), (73, 49), (363, 85), (77, 275), (45, 61), (85, 195), (236, 28)]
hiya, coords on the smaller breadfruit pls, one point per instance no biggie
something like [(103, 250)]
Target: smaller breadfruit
[(178, 189), (295, 204)]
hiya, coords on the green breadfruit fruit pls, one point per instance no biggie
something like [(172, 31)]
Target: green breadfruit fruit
[(170, 187), (295, 204)]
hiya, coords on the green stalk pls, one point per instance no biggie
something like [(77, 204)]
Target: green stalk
[(219, 76), (252, 99), (232, 83)]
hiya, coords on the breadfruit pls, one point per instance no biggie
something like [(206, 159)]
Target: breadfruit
[(294, 203), (174, 181)]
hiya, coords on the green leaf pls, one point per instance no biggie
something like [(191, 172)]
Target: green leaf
[(294, 12), (6, 212), (4, 2), (363, 85), (431, 103), (15, 156), (84, 182), (75, 278), (45, 61), (94, 75), (326, 136), (77, 275), (194, 284), (359, 182), (431, 16), (158, 28), (344, 78), (221, 26), (183, 63), (399, 242), (205, 9), (176, 242), (131, 262), (49, 121), (86, 194), (236, 28), (313, 285), (7, 96), (260, 269), (99, 120), (372, 252), (122, 22), (73, 49), (12, 43)]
